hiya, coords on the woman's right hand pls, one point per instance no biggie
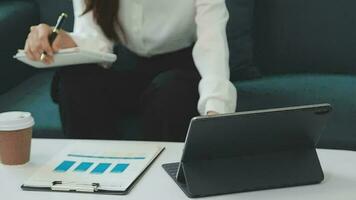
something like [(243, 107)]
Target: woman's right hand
[(37, 42)]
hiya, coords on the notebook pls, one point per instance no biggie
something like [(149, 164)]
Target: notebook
[(105, 167), (71, 56)]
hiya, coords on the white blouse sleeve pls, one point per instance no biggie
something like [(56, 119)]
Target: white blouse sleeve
[(211, 56), (87, 33)]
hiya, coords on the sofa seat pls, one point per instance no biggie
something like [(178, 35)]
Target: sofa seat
[(33, 96), (278, 91)]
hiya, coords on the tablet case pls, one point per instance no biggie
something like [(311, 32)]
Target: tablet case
[(251, 151)]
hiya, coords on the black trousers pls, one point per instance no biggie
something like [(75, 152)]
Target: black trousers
[(163, 90)]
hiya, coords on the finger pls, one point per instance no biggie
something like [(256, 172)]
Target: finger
[(43, 31), (211, 113), (36, 52), (30, 55), (29, 47), (36, 48), (44, 42), (32, 34), (28, 51)]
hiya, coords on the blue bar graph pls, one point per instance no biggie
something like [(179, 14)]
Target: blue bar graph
[(119, 168), (100, 168), (64, 166), (83, 167)]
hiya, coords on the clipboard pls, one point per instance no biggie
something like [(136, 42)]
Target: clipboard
[(251, 151), (71, 56), (58, 177)]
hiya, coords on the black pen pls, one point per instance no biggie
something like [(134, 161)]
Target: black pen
[(55, 32)]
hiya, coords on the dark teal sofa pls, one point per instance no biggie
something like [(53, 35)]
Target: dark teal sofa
[(304, 49)]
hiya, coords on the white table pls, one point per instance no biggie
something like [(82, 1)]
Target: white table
[(339, 184)]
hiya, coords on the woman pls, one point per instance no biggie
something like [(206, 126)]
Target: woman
[(183, 40)]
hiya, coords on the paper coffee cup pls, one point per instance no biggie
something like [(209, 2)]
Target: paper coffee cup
[(15, 137)]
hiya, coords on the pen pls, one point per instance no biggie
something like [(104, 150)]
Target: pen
[(55, 32)]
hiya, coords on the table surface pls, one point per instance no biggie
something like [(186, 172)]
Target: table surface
[(339, 168)]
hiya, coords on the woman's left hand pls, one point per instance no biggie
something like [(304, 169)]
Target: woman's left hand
[(211, 113)]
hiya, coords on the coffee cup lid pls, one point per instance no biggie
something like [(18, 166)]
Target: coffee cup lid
[(12, 121)]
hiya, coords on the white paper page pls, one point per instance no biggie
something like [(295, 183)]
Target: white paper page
[(114, 165)]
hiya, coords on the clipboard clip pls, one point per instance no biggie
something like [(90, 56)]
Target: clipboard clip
[(74, 187)]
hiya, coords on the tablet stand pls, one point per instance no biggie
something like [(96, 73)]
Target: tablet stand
[(247, 173)]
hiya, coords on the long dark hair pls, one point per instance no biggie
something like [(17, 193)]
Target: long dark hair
[(106, 16)]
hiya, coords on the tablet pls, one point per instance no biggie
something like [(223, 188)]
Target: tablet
[(252, 150), (71, 56)]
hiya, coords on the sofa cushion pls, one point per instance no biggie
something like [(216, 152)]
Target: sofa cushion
[(301, 36), (292, 90), (239, 33)]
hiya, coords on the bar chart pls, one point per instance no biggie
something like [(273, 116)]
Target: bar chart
[(94, 168), (97, 167)]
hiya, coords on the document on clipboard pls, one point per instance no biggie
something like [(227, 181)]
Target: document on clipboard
[(111, 168), (71, 56)]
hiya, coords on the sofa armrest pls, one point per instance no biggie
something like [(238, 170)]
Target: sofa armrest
[(15, 19)]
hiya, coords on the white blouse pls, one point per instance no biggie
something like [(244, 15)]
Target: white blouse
[(154, 27)]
